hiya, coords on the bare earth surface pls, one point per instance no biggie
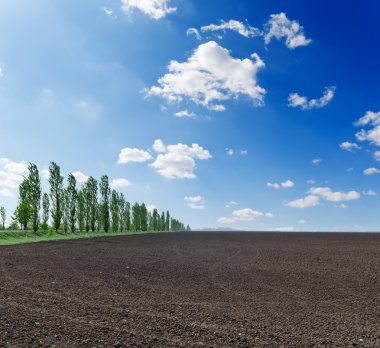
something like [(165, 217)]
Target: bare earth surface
[(193, 290)]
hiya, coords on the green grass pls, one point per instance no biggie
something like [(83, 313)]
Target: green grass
[(23, 237)]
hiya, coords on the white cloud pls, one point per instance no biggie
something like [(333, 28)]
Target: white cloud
[(246, 214), (243, 152), (231, 203), (179, 161), (347, 146), (279, 26), (45, 174), (376, 155), (81, 178), (275, 185), (195, 32), (285, 184), (329, 195), (373, 134), (302, 222), (185, 114), (308, 201), (150, 208), (1, 72), (195, 202), (316, 161), (133, 155), (369, 193), (239, 27), (11, 175), (159, 146), (5, 193), (209, 77), (342, 206), (155, 9), (371, 171), (14, 167), (283, 229), (121, 183), (295, 100), (311, 182), (107, 11), (229, 152)]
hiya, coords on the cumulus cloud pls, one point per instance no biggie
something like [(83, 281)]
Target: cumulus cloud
[(376, 156), (150, 208), (285, 184), (195, 32), (128, 155), (5, 193), (179, 161), (81, 178), (210, 76), (185, 114), (279, 27), (229, 152), (327, 194), (347, 146), (159, 146), (246, 214), (371, 171), (121, 183), (295, 100), (239, 27), (195, 202), (308, 201), (11, 175), (369, 193), (372, 135), (45, 174), (155, 9)]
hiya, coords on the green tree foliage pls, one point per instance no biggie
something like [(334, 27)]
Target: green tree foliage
[(23, 211), (162, 222), (122, 212), (81, 211), (155, 220), (65, 210), (2, 217), (115, 214), (136, 226), (127, 216), (72, 199), (167, 222), (93, 202), (56, 195), (105, 192), (45, 211), (34, 192), (143, 218)]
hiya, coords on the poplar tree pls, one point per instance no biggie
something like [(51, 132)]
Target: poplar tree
[(167, 222), (143, 217), (2, 216), (45, 210), (23, 211), (155, 218), (72, 198), (105, 202), (122, 212), (115, 211), (136, 217), (34, 192), (93, 195), (162, 222), (56, 194), (127, 216), (81, 211), (65, 210)]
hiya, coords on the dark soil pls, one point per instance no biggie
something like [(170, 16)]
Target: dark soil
[(193, 290)]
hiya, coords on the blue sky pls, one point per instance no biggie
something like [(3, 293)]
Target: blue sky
[(265, 115)]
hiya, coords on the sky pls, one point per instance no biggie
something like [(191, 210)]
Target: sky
[(254, 115)]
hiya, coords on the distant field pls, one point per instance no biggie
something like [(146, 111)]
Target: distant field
[(22, 237), (193, 290)]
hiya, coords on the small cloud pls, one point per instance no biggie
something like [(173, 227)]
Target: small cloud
[(316, 161), (283, 229), (231, 203), (338, 196), (376, 155), (128, 155), (45, 174), (279, 26), (295, 100), (347, 146), (243, 152), (229, 152), (155, 9), (342, 206), (81, 178), (302, 222), (301, 203), (118, 184), (239, 27), (285, 184), (107, 11), (195, 32), (246, 214), (369, 193), (371, 171), (158, 146), (185, 114), (311, 182), (195, 202)]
